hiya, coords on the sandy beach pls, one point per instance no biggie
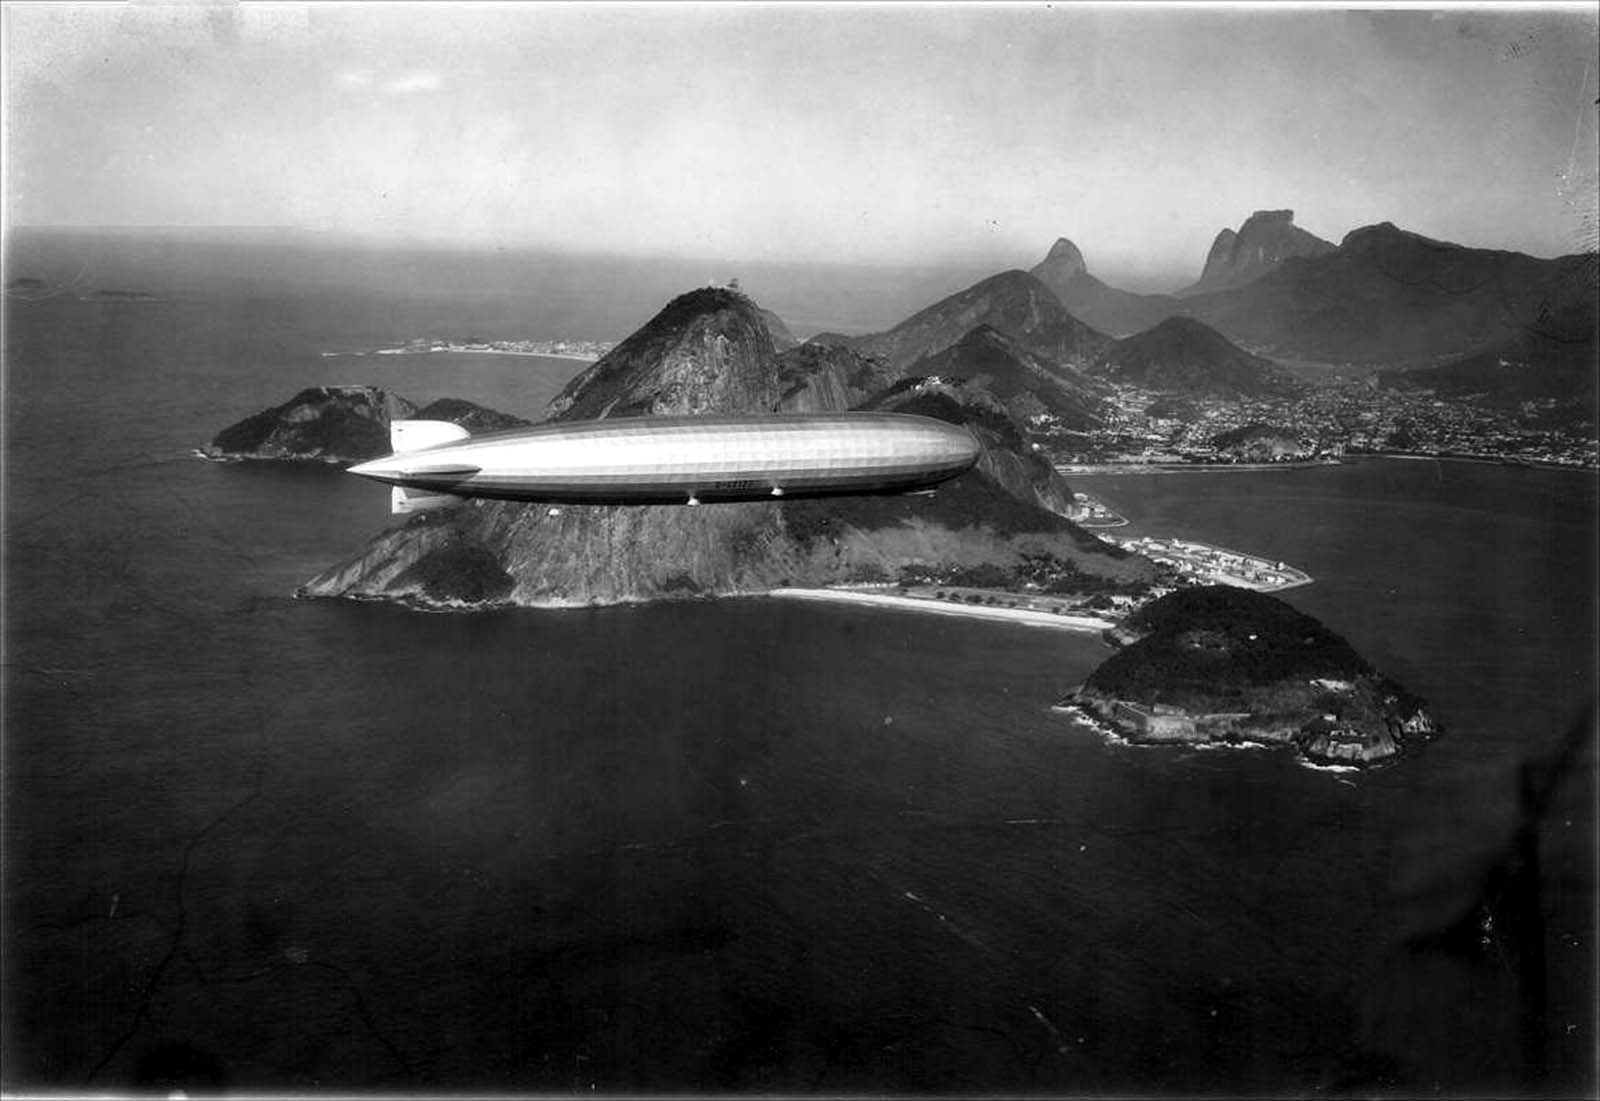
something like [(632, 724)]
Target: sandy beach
[(1024, 616)]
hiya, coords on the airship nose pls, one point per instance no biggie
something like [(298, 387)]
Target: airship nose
[(964, 446), (380, 470)]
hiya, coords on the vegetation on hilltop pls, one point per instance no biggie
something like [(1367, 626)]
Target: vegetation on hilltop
[(1220, 664), (1197, 647)]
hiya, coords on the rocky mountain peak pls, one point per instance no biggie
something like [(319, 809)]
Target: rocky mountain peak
[(1264, 217), (1265, 240), (1060, 264), (707, 351)]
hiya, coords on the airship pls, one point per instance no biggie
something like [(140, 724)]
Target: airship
[(671, 460)]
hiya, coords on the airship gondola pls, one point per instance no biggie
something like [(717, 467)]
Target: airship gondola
[(672, 460)]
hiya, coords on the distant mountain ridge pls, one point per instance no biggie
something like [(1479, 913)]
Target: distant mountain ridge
[(1383, 295), (1391, 297)]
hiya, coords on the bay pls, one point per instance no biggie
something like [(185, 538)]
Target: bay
[(739, 844)]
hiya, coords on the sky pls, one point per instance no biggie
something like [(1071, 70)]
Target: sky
[(887, 134)]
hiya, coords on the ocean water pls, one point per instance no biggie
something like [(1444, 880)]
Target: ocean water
[(737, 844)]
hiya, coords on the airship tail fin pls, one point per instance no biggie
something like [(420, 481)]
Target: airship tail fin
[(403, 500), (417, 435)]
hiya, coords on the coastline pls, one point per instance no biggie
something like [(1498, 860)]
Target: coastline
[(1088, 469), (459, 352), (1081, 624), (1189, 468), (1485, 460)]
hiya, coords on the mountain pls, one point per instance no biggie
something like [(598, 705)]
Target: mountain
[(332, 424), (709, 351), (1229, 666), (1266, 240), (1026, 384), (1183, 356), (340, 424), (1553, 359), (1394, 298), (1013, 302), (1105, 307), (475, 418), (816, 378), (782, 338)]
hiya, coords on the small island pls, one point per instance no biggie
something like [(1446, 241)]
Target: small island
[(1227, 666)]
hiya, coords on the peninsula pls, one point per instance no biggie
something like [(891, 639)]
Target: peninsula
[(1205, 564), (586, 351), (1225, 666)]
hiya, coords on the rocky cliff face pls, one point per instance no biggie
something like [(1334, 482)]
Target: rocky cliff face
[(1265, 241), (820, 378), (1013, 302), (1224, 665), (709, 351), (1106, 308)]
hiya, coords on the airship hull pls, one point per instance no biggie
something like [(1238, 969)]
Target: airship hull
[(687, 460)]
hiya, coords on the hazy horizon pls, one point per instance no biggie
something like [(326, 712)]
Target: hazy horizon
[(941, 137)]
